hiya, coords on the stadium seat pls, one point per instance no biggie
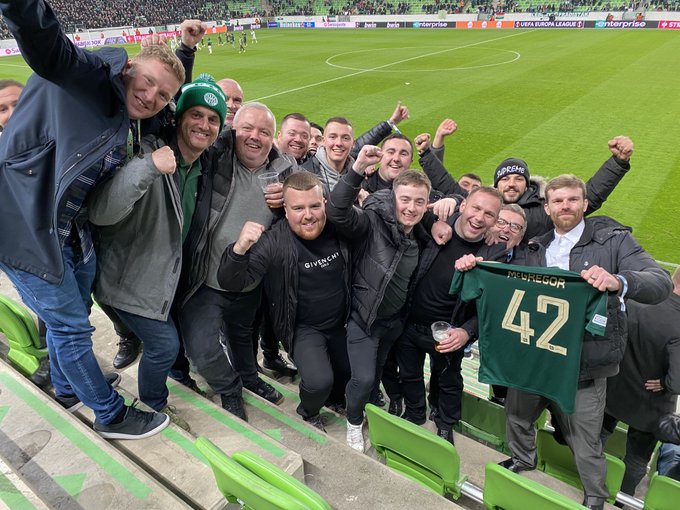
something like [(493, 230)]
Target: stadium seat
[(280, 479), (485, 421), (558, 461), (663, 494), (616, 443), (240, 485), (415, 452), (22, 336), (505, 490)]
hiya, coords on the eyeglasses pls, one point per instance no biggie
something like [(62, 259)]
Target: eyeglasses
[(514, 227)]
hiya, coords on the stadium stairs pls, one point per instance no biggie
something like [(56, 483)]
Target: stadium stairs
[(50, 458)]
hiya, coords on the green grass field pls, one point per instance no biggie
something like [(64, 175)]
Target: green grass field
[(552, 97)]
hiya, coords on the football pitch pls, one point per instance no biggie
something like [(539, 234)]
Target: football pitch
[(551, 97)]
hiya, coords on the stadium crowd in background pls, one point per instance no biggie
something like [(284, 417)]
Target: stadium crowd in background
[(353, 249)]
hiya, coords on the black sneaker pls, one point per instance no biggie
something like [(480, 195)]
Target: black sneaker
[(72, 403), (446, 434), (280, 366), (266, 391), (338, 408), (234, 404), (418, 420), (128, 350), (316, 421), (396, 406), (434, 413), (379, 399), (193, 386), (136, 424)]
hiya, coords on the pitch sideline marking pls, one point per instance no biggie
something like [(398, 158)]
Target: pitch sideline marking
[(330, 80)]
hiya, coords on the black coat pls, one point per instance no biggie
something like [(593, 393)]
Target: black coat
[(610, 245), (378, 243), (653, 352), (274, 259)]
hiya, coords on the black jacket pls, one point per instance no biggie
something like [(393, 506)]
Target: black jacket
[(652, 352), (220, 168), (611, 246), (378, 243), (274, 260)]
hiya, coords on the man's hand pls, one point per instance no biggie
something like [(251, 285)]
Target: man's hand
[(467, 262), (621, 147), (273, 195), (363, 195), (446, 128), (192, 32), (654, 385), (441, 232), (457, 339), (369, 155), (601, 279), (164, 160), (250, 234), (154, 40), (400, 113), (422, 142), (443, 208)]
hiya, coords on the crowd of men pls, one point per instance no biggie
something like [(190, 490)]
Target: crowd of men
[(202, 230)]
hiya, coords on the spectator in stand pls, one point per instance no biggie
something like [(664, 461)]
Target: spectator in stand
[(648, 383), (10, 90), (306, 254), (211, 318), (53, 268), (388, 236)]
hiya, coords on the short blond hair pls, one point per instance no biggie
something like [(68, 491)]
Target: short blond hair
[(163, 54), (565, 181)]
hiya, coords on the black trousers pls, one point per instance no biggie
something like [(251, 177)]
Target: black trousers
[(412, 346)]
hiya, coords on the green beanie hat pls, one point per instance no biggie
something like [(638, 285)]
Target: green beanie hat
[(203, 91)]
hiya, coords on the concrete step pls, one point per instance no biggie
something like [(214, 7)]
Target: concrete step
[(64, 462)]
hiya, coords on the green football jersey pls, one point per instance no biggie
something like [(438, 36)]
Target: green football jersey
[(531, 324)]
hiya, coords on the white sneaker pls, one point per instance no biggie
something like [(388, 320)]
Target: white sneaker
[(355, 437)]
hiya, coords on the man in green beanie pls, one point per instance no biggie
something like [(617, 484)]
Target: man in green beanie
[(144, 214)]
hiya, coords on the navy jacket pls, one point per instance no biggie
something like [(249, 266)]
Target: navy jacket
[(70, 114)]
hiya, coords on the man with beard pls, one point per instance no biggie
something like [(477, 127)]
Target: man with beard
[(305, 267), (607, 257)]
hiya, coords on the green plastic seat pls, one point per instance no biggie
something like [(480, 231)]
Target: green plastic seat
[(23, 353), (415, 452), (505, 490), (663, 494), (616, 443), (280, 479), (240, 485), (485, 421), (558, 461), (21, 312)]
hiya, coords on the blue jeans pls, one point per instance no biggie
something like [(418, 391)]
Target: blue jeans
[(161, 345), (669, 458), (65, 310)]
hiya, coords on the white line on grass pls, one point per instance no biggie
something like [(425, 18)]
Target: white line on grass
[(323, 82), (516, 56), (13, 65)]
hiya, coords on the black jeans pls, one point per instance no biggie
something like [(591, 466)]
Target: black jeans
[(639, 449), (263, 332), (367, 355), (217, 330), (321, 358), (414, 343)]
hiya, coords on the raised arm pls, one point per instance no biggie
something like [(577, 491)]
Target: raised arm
[(608, 176), (349, 220), (380, 131)]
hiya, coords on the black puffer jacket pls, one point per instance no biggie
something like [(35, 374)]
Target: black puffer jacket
[(610, 245), (378, 243), (274, 259)]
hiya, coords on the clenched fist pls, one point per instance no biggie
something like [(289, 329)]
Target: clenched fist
[(164, 160), (250, 234)]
